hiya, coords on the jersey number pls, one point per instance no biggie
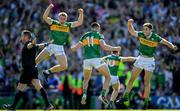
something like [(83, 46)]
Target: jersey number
[(90, 41)]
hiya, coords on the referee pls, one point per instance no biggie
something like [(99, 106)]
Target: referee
[(30, 72)]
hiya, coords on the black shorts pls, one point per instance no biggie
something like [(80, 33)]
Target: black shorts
[(28, 75)]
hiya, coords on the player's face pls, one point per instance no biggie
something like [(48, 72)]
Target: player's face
[(62, 19), (98, 29), (116, 53), (146, 30), (24, 38)]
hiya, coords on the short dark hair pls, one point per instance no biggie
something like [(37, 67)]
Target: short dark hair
[(27, 33), (114, 52), (95, 25), (149, 25)]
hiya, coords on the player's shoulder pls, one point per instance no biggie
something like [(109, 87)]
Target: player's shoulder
[(116, 57), (98, 33), (107, 57), (68, 23), (101, 36), (140, 32), (86, 33), (120, 57), (155, 36), (54, 21)]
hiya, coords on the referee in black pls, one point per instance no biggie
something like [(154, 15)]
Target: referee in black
[(30, 72)]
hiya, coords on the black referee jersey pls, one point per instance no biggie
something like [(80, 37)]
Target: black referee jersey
[(28, 57), (28, 63)]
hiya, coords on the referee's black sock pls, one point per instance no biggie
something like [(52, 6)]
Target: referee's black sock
[(44, 95), (16, 99)]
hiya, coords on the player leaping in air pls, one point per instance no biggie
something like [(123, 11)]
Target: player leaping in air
[(113, 61), (59, 33), (148, 43), (92, 41)]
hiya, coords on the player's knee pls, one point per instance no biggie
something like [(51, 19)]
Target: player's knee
[(64, 66), (107, 77), (116, 90), (86, 79)]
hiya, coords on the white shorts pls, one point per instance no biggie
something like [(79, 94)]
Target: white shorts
[(55, 49), (114, 80), (146, 63), (95, 62)]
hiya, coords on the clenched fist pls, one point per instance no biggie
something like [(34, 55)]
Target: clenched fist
[(51, 5), (130, 20), (80, 11)]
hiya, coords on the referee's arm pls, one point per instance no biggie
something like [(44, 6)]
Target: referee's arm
[(31, 44), (39, 46)]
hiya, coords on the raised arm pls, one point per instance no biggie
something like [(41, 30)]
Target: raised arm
[(168, 44), (76, 46), (107, 47), (46, 14), (128, 59), (80, 19), (131, 28)]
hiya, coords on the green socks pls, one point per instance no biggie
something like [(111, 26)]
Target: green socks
[(146, 100), (126, 96), (145, 103)]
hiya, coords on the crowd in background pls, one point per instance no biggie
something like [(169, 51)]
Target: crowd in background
[(65, 87)]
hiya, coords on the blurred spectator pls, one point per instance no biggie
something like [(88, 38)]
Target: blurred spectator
[(67, 90), (175, 101), (77, 89)]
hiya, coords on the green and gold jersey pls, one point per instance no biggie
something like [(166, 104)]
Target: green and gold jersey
[(113, 62), (91, 43), (148, 45), (60, 33)]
